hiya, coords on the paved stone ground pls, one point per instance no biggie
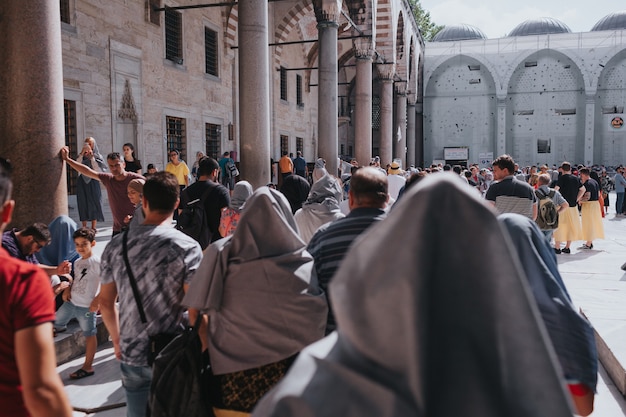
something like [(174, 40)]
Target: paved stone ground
[(594, 280)]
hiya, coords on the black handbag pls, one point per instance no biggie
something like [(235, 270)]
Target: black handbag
[(159, 340)]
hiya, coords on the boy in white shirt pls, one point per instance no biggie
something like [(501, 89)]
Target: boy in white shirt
[(81, 299)]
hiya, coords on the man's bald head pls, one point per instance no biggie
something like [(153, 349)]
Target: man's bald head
[(368, 188)]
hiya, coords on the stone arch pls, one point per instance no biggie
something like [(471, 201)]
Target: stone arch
[(400, 56), (231, 27), (480, 58), (289, 22), (413, 61)]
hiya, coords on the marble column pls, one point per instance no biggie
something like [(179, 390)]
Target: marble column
[(363, 101), (501, 128), (327, 14), (419, 136), (410, 133), (399, 142), (254, 92), (590, 111), (385, 74), (32, 127)]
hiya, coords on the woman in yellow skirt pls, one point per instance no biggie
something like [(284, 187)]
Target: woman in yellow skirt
[(592, 227), (569, 229)]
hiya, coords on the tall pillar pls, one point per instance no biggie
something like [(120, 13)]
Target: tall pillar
[(419, 137), (501, 128), (410, 133), (399, 143), (590, 107), (254, 92), (328, 118), (32, 129), (385, 73), (363, 101)]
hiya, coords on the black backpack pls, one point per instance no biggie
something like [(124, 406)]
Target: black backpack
[(180, 377), (193, 222)]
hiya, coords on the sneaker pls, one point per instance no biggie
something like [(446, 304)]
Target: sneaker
[(584, 246), (557, 251), (565, 250)]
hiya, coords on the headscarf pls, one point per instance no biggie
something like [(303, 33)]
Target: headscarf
[(426, 328), (242, 191), (296, 189), (99, 160), (61, 247), (319, 170), (321, 207), (570, 333), (137, 185), (257, 288)]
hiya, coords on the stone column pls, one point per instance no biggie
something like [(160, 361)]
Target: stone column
[(254, 92), (410, 132), (363, 101), (501, 128), (32, 129), (399, 140), (590, 107), (419, 136), (385, 73), (327, 14)]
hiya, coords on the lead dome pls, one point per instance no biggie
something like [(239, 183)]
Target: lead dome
[(613, 21), (541, 26), (461, 32)]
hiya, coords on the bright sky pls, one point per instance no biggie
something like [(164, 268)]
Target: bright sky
[(496, 18)]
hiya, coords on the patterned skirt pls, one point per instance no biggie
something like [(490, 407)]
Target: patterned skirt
[(240, 391), (569, 226)]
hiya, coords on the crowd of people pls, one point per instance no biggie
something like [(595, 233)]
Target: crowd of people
[(341, 283)]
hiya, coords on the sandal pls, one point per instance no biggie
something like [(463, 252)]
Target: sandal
[(81, 373)]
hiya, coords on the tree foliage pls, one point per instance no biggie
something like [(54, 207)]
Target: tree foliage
[(427, 27)]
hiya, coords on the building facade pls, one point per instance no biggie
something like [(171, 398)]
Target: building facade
[(541, 94)]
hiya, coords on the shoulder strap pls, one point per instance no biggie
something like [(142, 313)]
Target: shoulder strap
[(133, 283), (538, 191)]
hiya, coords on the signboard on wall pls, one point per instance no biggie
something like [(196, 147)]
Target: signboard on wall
[(456, 154), (485, 159), (615, 123)]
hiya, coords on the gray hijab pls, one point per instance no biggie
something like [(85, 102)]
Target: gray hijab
[(429, 322), (241, 192), (257, 289), (99, 160)]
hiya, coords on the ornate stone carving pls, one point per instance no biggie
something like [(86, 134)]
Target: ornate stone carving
[(363, 48), (327, 10), (386, 71), (127, 109)]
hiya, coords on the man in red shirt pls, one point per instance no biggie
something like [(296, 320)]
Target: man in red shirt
[(29, 383)]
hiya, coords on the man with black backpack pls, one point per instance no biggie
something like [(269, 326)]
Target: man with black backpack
[(551, 203), (208, 194)]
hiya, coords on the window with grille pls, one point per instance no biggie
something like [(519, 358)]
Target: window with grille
[(213, 141), (283, 83), (71, 140), (176, 135), (284, 144), (376, 112), (210, 51), (153, 15), (299, 91), (342, 150), (350, 150), (174, 36), (300, 145), (65, 11), (543, 145)]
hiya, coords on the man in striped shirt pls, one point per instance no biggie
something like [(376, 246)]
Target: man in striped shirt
[(367, 198), (508, 194)]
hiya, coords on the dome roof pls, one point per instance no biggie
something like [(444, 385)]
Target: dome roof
[(460, 32), (611, 21), (541, 26)]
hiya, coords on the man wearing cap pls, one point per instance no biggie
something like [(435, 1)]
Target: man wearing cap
[(395, 179)]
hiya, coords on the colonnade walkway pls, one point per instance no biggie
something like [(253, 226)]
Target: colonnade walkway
[(593, 277)]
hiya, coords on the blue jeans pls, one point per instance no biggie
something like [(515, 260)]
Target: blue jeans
[(136, 381), (619, 203)]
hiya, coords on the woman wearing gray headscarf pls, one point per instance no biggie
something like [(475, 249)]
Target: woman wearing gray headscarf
[(321, 207), (319, 170), (230, 215), (88, 192), (263, 306), (426, 330), (571, 334)]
